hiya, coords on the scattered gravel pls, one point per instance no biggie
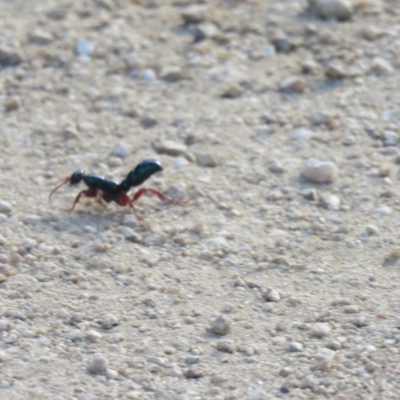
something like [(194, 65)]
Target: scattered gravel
[(276, 124)]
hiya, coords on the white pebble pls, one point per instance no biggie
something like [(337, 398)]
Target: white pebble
[(320, 330), (131, 235), (319, 171), (295, 347), (383, 211), (112, 374), (226, 345), (381, 66), (129, 220), (302, 135), (271, 295), (121, 151), (93, 335), (170, 148), (330, 201)]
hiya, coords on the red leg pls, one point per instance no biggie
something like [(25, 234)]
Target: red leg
[(124, 200), (87, 193), (161, 195)]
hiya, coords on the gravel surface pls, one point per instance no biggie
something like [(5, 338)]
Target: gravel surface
[(278, 121)]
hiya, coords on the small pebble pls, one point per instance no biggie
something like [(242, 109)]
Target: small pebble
[(40, 37), (263, 130), (11, 338), (75, 335), (325, 354), (352, 309), (310, 194), (121, 151), (5, 207), (171, 74), (112, 374), (206, 160), (148, 122), (12, 104), (206, 31), (335, 71), (271, 295), (149, 75), (220, 326), (329, 201), (302, 135), (232, 91), (282, 43), (32, 219), (4, 384), (93, 335), (192, 374), (371, 32), (114, 162), (390, 138), (293, 84), (191, 360), (320, 330), (98, 365), (318, 171), (170, 148), (396, 252), (57, 13), (276, 168), (131, 235), (194, 14), (109, 322), (341, 10), (372, 229), (84, 47), (129, 220), (334, 345), (9, 57), (381, 66), (226, 345), (383, 211), (295, 347)]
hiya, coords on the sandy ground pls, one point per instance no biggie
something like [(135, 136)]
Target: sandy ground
[(279, 279)]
